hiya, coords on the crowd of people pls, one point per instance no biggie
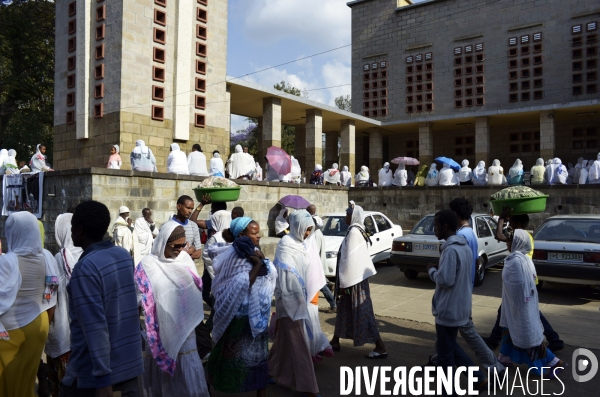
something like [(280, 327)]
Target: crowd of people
[(37, 163)]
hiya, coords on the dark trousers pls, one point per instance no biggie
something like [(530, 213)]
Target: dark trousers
[(449, 353), (549, 332), (129, 388), (206, 288), (329, 296)]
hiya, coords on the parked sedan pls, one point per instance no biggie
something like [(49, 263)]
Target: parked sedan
[(413, 252), (567, 249), (381, 229)]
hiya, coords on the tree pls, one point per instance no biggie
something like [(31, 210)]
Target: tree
[(26, 75), (343, 102)]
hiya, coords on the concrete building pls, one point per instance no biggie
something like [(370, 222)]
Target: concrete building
[(476, 79), (139, 69)]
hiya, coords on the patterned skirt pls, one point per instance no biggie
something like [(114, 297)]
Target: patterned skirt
[(239, 362), (58, 368), (537, 358), (355, 317)]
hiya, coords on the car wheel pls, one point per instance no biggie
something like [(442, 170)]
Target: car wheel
[(480, 273), (411, 274), (540, 285)]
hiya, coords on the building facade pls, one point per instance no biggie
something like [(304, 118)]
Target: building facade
[(477, 79), (139, 69)]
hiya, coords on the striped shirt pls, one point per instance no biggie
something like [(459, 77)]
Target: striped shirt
[(106, 343)]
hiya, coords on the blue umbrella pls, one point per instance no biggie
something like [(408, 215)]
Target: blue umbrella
[(453, 164)]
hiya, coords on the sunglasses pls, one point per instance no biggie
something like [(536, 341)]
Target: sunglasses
[(178, 246)]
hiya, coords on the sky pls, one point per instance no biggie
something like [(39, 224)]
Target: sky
[(266, 33)]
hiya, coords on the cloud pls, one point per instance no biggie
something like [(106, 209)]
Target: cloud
[(322, 23), (337, 74)]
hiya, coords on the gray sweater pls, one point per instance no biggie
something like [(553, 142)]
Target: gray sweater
[(451, 303)]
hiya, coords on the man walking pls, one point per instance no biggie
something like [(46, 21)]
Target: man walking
[(122, 231), (185, 206), (144, 233), (451, 304), (106, 348)]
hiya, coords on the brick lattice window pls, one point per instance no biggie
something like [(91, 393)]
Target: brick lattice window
[(70, 117), (584, 139), (160, 36), (72, 27), (99, 52), (158, 73), (99, 71), (469, 66), (159, 55), (523, 143), (71, 81), (525, 52), (200, 67), (101, 13), (200, 102), (375, 75), (585, 59), (419, 79)]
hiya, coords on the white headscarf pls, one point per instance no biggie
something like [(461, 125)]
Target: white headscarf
[(240, 164), (363, 175), (332, 175), (196, 162), (465, 174), (142, 158), (355, 261), (594, 172), (401, 176), (38, 161), (296, 170), (496, 173), (68, 251), (556, 173), (3, 156), (318, 167), (516, 169), (480, 174), (520, 306), (345, 177), (216, 165), (176, 289), (385, 175), (537, 172), (447, 176), (177, 161), (281, 224), (433, 176)]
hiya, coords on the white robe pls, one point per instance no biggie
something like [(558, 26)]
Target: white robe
[(496, 174), (433, 176), (143, 238), (400, 176), (217, 168), (177, 161), (197, 164), (594, 173), (447, 176), (122, 235), (385, 176), (240, 164)]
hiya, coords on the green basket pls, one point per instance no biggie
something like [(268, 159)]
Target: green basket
[(219, 194), (523, 205)]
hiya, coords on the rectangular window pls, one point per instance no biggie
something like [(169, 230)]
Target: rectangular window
[(162, 3), (525, 50), (591, 131), (158, 93), (71, 46), (577, 144), (99, 51), (526, 148), (592, 144), (202, 15), (469, 59), (71, 63), (458, 104), (409, 99), (409, 69), (468, 102), (538, 83), (201, 32), (513, 97), (525, 85), (525, 96), (99, 71), (158, 73), (98, 110), (200, 102), (72, 8), (71, 81), (590, 76), (577, 78), (201, 49), (375, 94), (591, 89), (101, 13), (469, 81), (70, 99), (100, 32), (468, 92), (538, 94), (201, 67), (513, 86), (158, 55), (537, 48), (158, 113), (457, 61), (72, 29), (71, 117), (513, 75), (160, 36), (457, 82), (577, 132), (514, 148), (99, 91), (479, 101), (577, 90)]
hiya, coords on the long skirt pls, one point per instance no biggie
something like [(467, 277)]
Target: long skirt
[(239, 362), (188, 380), (58, 367), (530, 356), (20, 358), (319, 342), (290, 362), (355, 317)]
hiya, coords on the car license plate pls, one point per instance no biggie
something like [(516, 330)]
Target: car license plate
[(561, 256), (426, 247)]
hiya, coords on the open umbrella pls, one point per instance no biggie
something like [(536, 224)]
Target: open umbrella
[(295, 202), (453, 164), (279, 160), (405, 160)]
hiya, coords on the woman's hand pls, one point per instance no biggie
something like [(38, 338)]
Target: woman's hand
[(259, 254)]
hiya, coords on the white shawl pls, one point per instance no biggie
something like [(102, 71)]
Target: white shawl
[(594, 172), (259, 172), (122, 235), (355, 261), (346, 177), (177, 161), (465, 174), (480, 176), (217, 168), (447, 177), (401, 176), (143, 238), (281, 223), (220, 221), (3, 156), (385, 175), (363, 175), (332, 175), (583, 174), (197, 164), (177, 291), (537, 172), (240, 164), (433, 176), (141, 158), (38, 161), (496, 174)]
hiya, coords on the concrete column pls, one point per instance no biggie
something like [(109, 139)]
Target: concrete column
[(547, 135), (183, 72), (82, 70), (482, 140), (314, 138), (375, 151), (260, 147), (331, 148), (426, 143), (300, 146), (271, 131), (348, 148)]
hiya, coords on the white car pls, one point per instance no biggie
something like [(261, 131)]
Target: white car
[(381, 229)]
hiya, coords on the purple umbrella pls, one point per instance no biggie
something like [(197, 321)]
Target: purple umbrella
[(295, 202)]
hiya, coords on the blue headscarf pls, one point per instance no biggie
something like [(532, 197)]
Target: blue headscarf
[(238, 225)]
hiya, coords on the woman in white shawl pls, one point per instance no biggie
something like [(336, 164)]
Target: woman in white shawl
[(38, 160), (243, 289), (240, 164), (141, 158), (10, 163), (400, 176), (433, 176), (355, 317), (594, 172), (465, 174), (215, 245), (58, 345), (28, 284), (385, 175), (258, 176), (345, 177), (515, 174), (496, 174), (3, 156), (537, 172), (217, 168), (172, 301), (114, 161), (583, 174), (523, 339), (480, 176), (363, 178), (281, 224), (196, 161), (296, 173), (332, 176), (556, 173), (447, 176), (144, 233), (177, 161), (298, 335)]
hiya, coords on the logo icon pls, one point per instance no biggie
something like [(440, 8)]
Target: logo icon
[(584, 360)]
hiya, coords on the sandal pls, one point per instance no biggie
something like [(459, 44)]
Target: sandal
[(374, 355), (557, 369)]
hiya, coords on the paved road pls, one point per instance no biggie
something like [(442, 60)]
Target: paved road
[(403, 310)]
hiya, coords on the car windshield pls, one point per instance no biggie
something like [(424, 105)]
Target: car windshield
[(573, 230), (334, 226), (424, 227)]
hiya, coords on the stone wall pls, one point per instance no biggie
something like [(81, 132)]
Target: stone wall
[(405, 206)]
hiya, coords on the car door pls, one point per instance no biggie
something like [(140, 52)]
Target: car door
[(485, 237), (500, 245), (386, 232), (371, 228)]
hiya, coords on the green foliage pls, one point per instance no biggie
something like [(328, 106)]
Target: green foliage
[(288, 132), (27, 76), (343, 102)]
